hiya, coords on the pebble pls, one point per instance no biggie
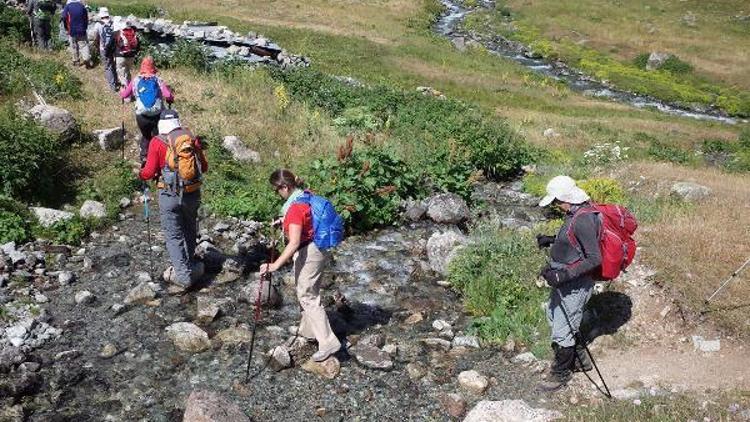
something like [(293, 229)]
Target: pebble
[(415, 370), (465, 341), (414, 318), (441, 325), (84, 297), (65, 277), (108, 351), (473, 381), (329, 368)]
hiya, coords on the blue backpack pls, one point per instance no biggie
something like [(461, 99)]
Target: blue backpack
[(328, 226), (148, 96)]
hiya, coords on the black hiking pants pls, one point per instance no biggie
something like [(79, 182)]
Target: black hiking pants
[(149, 126)]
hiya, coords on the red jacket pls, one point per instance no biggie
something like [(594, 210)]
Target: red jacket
[(157, 157)]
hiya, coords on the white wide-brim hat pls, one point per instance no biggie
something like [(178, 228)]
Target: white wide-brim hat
[(564, 189), (103, 12)]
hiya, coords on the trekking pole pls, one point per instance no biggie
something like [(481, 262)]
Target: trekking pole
[(580, 338), (731, 277), (147, 216), (258, 303), (122, 127)]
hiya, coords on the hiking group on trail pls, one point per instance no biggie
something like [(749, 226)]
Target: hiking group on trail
[(594, 243)]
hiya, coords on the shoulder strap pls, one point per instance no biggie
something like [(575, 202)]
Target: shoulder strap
[(571, 235)]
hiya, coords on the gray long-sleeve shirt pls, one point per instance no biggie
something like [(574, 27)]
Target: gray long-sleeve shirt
[(586, 256)]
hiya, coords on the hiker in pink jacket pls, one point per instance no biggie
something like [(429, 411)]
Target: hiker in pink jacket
[(150, 94)]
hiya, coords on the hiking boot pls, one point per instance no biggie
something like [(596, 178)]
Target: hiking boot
[(322, 355), (199, 269), (582, 361), (554, 381), (559, 373)]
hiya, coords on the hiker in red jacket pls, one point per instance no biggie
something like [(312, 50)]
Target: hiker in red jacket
[(179, 196)]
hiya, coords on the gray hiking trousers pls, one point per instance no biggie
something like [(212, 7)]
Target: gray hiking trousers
[(43, 33), (575, 294), (179, 222)]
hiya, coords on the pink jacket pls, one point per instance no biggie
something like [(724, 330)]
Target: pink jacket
[(166, 93)]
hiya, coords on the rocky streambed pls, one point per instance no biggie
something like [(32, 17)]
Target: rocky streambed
[(88, 334)]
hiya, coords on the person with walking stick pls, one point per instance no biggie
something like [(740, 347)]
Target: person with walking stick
[(574, 256)]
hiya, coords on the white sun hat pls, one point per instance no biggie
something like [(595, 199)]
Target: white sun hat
[(564, 189), (103, 12)]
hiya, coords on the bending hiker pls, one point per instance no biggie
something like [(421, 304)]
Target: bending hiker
[(40, 13), (575, 253), (150, 93), (105, 42), (176, 160), (309, 261), (76, 19), (125, 49)]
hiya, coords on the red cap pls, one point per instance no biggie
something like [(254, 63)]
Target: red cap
[(147, 66)]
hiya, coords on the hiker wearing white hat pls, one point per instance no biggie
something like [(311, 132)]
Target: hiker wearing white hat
[(574, 254), (106, 43)]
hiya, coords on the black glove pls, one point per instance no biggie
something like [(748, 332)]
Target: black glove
[(544, 241), (555, 276)]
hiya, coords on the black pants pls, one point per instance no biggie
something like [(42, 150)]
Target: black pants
[(149, 126), (43, 33)]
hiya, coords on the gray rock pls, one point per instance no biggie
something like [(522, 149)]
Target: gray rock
[(207, 406), (372, 340), (706, 346), (550, 133), (509, 411), (56, 120), (454, 404), (371, 357), (437, 344), (270, 295), (415, 370), (110, 139), (473, 381), (8, 248), (125, 202), (441, 325), (18, 258), (443, 247), (234, 335), (67, 355), (93, 209), (414, 210), (524, 358), (466, 341), (140, 294), (447, 208), (329, 368), (108, 351), (66, 277), (207, 309), (656, 60), (690, 192), (459, 43), (280, 358), (84, 297), (9, 358), (188, 337), (239, 151), (48, 216)]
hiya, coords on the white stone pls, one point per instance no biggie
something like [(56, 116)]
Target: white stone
[(690, 192), (84, 297), (706, 346), (441, 325), (473, 381), (442, 248), (93, 209), (524, 358), (239, 150), (509, 411), (466, 341), (110, 139), (188, 337), (48, 216), (55, 119)]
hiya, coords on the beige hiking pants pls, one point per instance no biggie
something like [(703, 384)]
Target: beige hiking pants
[(79, 49), (309, 262), (124, 68)]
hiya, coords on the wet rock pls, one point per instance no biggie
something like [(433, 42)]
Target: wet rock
[(10, 357), (454, 404), (447, 208), (16, 335), (234, 335), (239, 151), (437, 344), (56, 120), (465, 341), (92, 209), (270, 295), (188, 337), (509, 411), (330, 368), (656, 60), (690, 192), (207, 406), (371, 357), (48, 216), (706, 346), (108, 351), (110, 139), (442, 248), (415, 370), (280, 358), (473, 381), (84, 297), (140, 294)]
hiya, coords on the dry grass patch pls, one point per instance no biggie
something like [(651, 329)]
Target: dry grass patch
[(695, 251)]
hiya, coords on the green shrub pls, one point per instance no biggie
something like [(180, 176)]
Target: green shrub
[(66, 232), (183, 53), (664, 152), (366, 186), (718, 146), (14, 24), (19, 74), (35, 154), (744, 139), (673, 64), (110, 184), (496, 275), (603, 190), (13, 228)]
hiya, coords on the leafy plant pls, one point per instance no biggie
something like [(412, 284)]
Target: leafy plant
[(664, 152), (603, 190), (19, 74), (67, 232), (13, 24), (13, 228), (110, 184)]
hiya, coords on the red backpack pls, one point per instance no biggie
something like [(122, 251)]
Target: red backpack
[(615, 238), (128, 42)]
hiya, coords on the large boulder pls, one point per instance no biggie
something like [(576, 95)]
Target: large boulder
[(239, 151), (207, 406), (443, 247), (656, 60), (93, 209), (690, 192), (509, 411), (56, 120), (110, 139), (447, 208), (48, 216), (188, 337)]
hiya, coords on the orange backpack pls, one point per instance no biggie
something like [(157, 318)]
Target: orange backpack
[(182, 166)]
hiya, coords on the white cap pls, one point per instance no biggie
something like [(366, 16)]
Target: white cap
[(564, 189), (169, 120), (103, 12)]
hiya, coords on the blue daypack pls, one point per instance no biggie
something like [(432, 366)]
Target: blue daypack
[(148, 96), (328, 226)]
